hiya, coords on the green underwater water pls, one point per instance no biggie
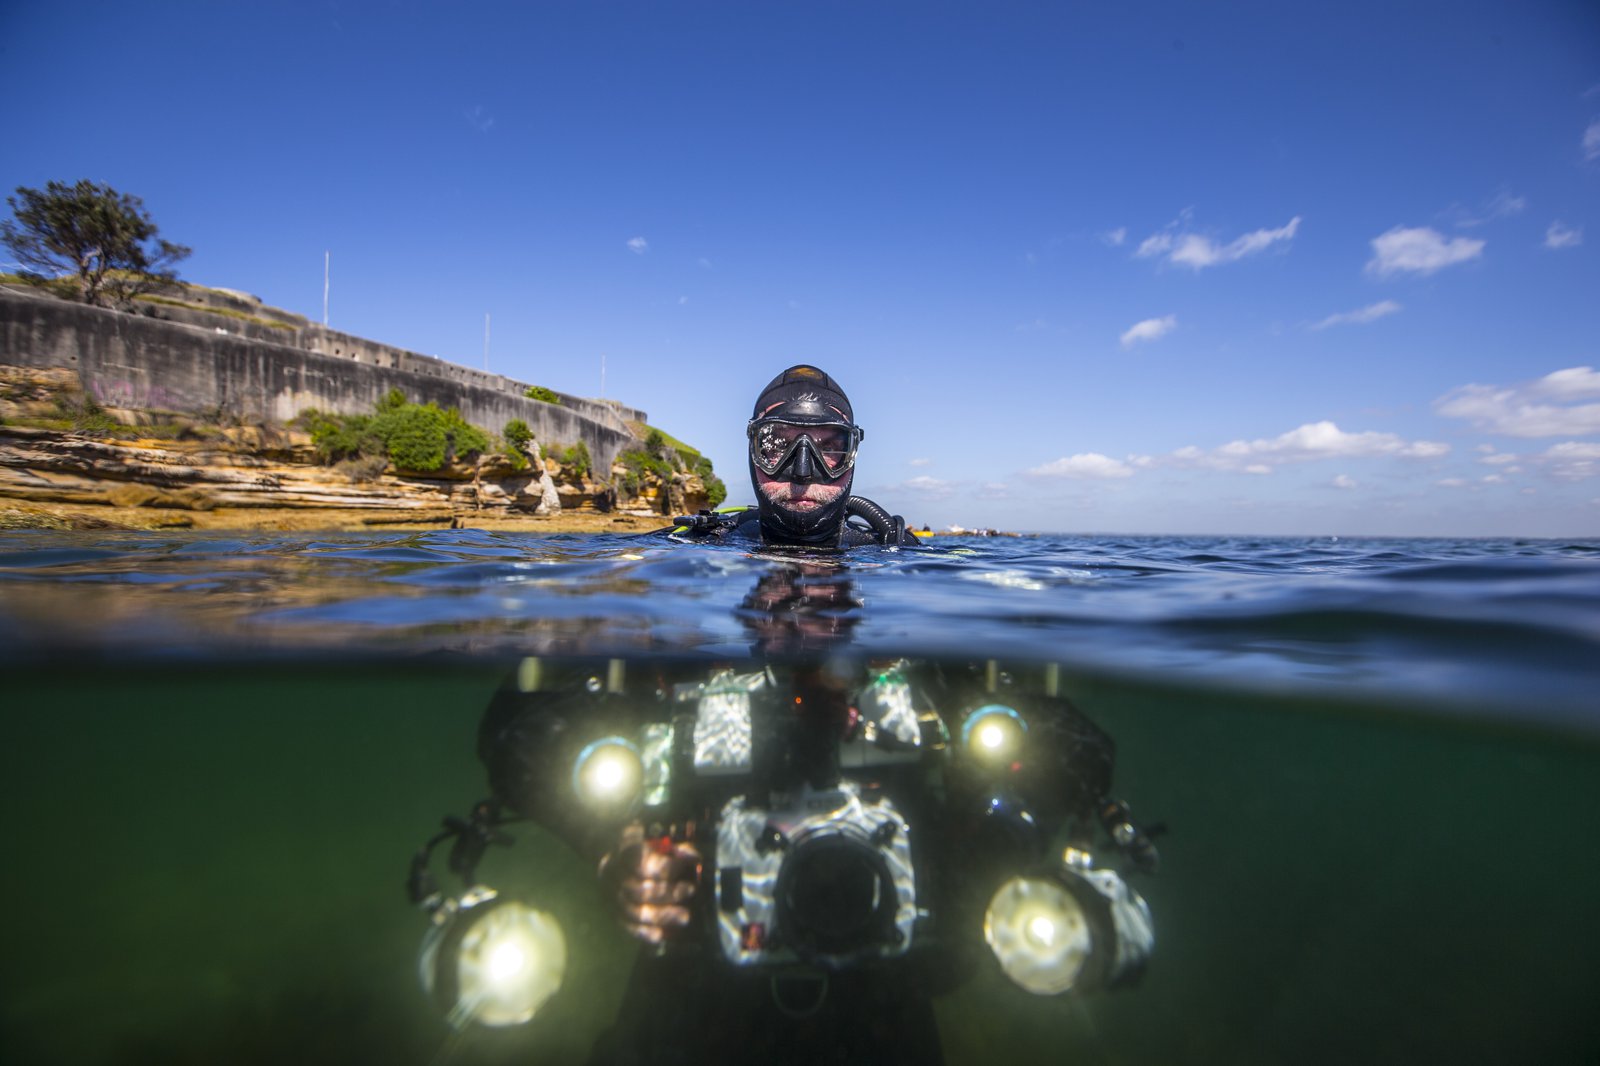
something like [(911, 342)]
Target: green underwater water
[(207, 864)]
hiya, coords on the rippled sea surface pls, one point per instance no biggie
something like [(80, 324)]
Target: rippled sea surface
[(1378, 762)]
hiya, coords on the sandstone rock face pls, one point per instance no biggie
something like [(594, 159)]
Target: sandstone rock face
[(45, 467), (254, 475)]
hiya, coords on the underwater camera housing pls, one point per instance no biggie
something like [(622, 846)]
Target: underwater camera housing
[(846, 812), (813, 860), (827, 879)]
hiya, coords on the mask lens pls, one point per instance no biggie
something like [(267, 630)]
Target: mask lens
[(772, 443), (833, 443)]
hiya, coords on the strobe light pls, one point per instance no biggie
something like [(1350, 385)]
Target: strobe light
[(1068, 930), (607, 774), (492, 961), (994, 735)]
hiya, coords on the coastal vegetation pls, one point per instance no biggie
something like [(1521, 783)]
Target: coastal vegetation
[(661, 456), (542, 394), (89, 232), (412, 436), (424, 438), (577, 457)]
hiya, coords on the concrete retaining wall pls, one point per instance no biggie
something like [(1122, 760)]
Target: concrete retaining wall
[(256, 372)]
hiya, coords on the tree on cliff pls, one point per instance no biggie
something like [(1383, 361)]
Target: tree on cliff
[(88, 230)]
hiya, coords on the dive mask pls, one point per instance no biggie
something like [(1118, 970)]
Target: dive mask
[(774, 442)]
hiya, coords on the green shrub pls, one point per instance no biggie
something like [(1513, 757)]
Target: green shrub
[(638, 462), (418, 437), (341, 437), (655, 442), (578, 458), (465, 438), (517, 434), (542, 394), (716, 491), (414, 436)]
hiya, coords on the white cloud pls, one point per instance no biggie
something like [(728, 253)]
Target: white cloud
[(1502, 206), (682, 300), (927, 487), (1344, 481), (1148, 330), (1115, 238), (1499, 458), (920, 462), (1370, 313), (1572, 461), (479, 119), (1573, 382), (1452, 482), (1420, 250), (638, 245), (1091, 465), (1591, 141), (1314, 440), (1542, 408), (1182, 248), (1562, 236), (704, 263)]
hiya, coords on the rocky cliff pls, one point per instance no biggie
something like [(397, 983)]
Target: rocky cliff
[(63, 461)]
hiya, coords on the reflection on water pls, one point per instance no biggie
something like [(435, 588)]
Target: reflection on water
[(1491, 628)]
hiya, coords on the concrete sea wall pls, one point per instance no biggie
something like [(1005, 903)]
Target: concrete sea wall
[(187, 362)]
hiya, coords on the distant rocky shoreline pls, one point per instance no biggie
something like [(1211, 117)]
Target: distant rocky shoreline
[(270, 477)]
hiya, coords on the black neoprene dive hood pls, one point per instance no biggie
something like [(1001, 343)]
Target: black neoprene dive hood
[(803, 394)]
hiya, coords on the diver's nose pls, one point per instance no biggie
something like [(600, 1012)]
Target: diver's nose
[(801, 469)]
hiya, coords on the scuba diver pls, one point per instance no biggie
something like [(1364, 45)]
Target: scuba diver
[(810, 845), (802, 441)]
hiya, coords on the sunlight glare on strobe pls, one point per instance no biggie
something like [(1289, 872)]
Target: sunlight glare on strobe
[(994, 734), (1039, 934), (608, 772), (506, 962), (510, 959)]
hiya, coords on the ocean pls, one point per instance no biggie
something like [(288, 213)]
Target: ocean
[(1376, 761)]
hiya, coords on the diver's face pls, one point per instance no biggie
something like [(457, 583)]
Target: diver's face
[(799, 498)]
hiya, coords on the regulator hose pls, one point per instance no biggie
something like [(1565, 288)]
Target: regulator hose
[(890, 529)]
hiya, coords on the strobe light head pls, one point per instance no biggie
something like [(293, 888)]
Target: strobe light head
[(994, 735), (607, 774), (1068, 930), (492, 961)]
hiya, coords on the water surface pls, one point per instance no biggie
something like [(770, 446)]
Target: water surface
[(1379, 761)]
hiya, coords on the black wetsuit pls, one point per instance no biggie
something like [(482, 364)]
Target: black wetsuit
[(876, 526), (696, 1015)]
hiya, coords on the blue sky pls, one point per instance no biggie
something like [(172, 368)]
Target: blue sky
[(1143, 267)]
